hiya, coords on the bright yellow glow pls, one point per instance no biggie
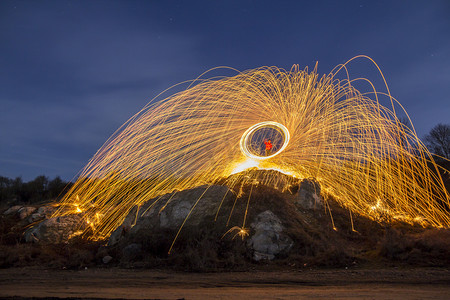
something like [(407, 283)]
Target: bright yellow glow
[(77, 205), (246, 164), (252, 163), (76, 233), (357, 149), (240, 231)]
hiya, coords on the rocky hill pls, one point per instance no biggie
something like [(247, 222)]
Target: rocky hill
[(245, 221)]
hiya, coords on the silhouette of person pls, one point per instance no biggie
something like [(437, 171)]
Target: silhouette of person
[(269, 147)]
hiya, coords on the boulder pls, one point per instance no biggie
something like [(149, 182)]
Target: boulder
[(170, 211), (268, 239), (46, 210), (24, 212), (174, 215), (12, 210), (35, 217), (106, 259), (131, 252), (123, 229), (41, 213), (54, 230), (308, 196), (206, 200)]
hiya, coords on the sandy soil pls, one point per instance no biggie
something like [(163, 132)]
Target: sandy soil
[(162, 284)]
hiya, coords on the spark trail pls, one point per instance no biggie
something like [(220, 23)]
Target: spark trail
[(357, 149)]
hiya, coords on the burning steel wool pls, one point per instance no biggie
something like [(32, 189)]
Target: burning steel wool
[(292, 121)]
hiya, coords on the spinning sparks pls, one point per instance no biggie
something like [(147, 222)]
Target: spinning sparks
[(357, 149)]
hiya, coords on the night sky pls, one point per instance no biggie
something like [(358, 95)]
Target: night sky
[(72, 72)]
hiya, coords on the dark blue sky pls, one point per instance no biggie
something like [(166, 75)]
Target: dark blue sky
[(71, 72)]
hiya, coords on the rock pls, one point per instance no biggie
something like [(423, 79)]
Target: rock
[(175, 215), (178, 208), (170, 210), (35, 217), (308, 196), (41, 213), (12, 210), (122, 230), (268, 239), (131, 252), (115, 236), (26, 211), (106, 259), (46, 210), (54, 230)]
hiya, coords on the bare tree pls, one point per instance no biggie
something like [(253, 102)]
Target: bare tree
[(438, 140)]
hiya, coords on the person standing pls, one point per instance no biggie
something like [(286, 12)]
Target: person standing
[(269, 147)]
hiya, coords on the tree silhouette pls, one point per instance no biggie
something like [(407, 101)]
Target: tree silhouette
[(39, 189), (438, 140)]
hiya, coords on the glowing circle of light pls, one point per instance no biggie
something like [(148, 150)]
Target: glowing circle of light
[(248, 134)]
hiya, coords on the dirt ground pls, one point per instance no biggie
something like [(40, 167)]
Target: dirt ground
[(32, 283)]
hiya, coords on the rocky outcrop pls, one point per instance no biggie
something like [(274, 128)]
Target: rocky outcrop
[(268, 239), (171, 210), (196, 207), (54, 230), (308, 196)]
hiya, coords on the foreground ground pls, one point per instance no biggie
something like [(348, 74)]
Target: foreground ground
[(415, 283)]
